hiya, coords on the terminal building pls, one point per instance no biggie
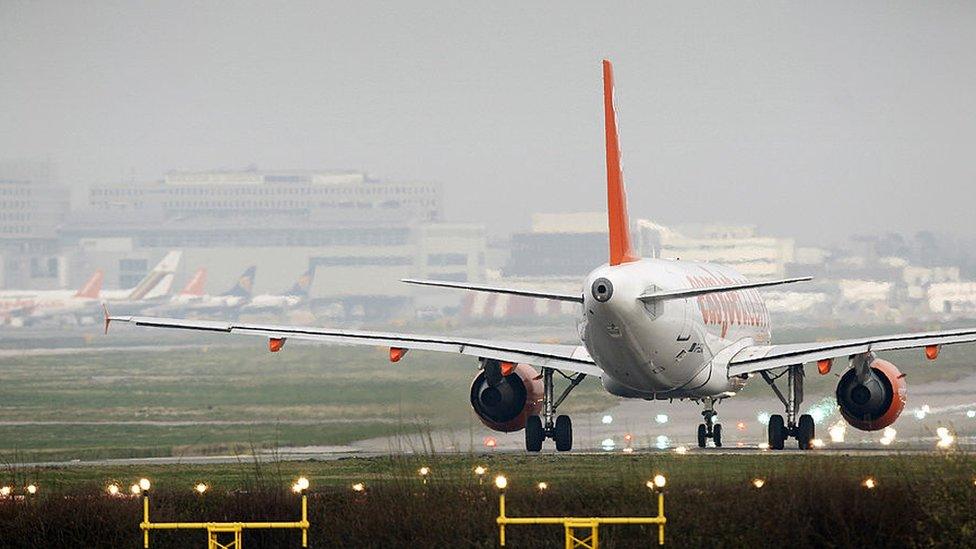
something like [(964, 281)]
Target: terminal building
[(359, 235), (33, 206)]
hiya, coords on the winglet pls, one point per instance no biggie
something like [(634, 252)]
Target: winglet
[(108, 319), (620, 248)]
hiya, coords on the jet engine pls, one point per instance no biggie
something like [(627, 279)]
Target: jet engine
[(875, 403), (504, 395)]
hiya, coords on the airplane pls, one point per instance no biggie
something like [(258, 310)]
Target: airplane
[(192, 300), (291, 298), (654, 329), (154, 286), (27, 303)]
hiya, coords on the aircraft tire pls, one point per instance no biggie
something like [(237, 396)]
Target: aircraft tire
[(717, 435), (534, 434), (805, 432), (777, 432), (702, 435), (563, 433)]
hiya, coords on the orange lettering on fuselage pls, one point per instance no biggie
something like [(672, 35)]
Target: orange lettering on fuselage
[(741, 307)]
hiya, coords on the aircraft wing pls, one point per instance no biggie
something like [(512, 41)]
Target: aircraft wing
[(572, 358), (757, 358)]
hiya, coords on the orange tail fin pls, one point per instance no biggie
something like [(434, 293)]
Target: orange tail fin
[(93, 286), (620, 249), (196, 284)]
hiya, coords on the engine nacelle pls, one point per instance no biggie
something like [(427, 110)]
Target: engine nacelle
[(877, 402), (507, 405)]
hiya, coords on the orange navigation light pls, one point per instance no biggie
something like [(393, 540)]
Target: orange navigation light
[(823, 366), (931, 352), (396, 353), (507, 368), (275, 344)]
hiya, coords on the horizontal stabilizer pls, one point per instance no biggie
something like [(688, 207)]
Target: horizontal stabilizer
[(576, 298), (693, 292)]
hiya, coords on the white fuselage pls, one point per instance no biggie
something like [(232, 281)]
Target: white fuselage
[(670, 348)]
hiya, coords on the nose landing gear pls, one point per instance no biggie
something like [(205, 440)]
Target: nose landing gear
[(779, 430), (549, 425), (709, 429)]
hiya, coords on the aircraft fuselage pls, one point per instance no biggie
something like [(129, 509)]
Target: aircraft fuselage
[(667, 348)]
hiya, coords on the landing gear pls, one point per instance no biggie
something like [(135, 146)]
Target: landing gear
[(779, 430), (534, 434), (549, 425), (709, 429)]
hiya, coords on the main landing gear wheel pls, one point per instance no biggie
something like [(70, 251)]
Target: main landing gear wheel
[(780, 430), (534, 434), (717, 435), (548, 425), (702, 435), (805, 432), (777, 432), (563, 434)]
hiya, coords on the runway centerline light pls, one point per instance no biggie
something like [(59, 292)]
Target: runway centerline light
[(501, 482), (542, 486), (144, 484), (870, 483), (661, 418), (359, 487), (32, 489), (607, 419), (758, 482), (970, 413), (200, 488), (112, 489)]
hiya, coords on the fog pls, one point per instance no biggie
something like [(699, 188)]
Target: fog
[(809, 121)]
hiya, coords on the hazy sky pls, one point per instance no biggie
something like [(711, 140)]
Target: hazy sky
[(815, 119)]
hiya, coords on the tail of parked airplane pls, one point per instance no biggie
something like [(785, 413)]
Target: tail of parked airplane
[(93, 286), (245, 284), (304, 283), (619, 224), (159, 280), (195, 286)]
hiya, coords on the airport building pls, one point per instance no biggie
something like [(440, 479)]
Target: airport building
[(572, 244), (33, 206), (359, 235)]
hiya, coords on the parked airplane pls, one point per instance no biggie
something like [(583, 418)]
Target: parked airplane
[(651, 329), (154, 286), (25, 303), (289, 299), (193, 301), (153, 290)]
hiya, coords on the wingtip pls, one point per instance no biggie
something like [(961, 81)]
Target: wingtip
[(108, 318)]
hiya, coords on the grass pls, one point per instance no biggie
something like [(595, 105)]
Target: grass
[(137, 403), (808, 500)]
